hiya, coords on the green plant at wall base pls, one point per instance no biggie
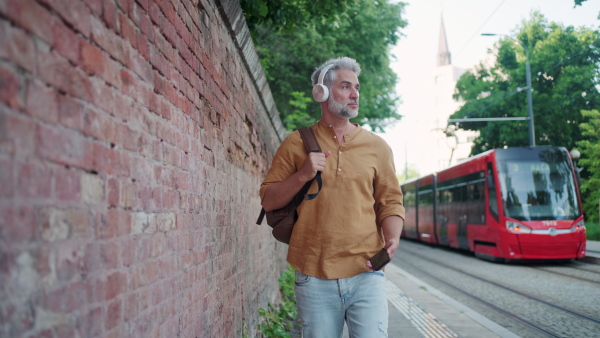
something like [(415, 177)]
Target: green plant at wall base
[(278, 321)]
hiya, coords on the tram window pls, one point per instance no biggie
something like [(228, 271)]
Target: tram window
[(492, 200), (463, 193), (478, 191)]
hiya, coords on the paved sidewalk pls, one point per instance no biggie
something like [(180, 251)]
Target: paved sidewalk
[(593, 252), (419, 310)]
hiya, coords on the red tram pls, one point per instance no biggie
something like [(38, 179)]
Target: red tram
[(514, 203)]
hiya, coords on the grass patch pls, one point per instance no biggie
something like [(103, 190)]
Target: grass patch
[(592, 231), (281, 320)]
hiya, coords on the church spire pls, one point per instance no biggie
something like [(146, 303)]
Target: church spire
[(443, 57)]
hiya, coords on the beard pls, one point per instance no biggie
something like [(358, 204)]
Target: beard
[(341, 110)]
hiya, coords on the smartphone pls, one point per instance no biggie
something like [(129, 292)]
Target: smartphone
[(380, 259)]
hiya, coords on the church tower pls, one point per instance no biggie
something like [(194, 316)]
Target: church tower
[(444, 58), (451, 145)]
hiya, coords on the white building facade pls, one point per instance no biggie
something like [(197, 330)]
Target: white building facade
[(448, 144)]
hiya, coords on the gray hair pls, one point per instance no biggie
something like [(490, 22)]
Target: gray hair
[(338, 63)]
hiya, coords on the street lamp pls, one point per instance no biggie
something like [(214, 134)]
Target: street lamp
[(529, 89)]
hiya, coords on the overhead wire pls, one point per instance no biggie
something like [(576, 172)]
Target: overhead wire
[(480, 27), (513, 92)]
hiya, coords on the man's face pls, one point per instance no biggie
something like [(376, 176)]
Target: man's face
[(343, 101)]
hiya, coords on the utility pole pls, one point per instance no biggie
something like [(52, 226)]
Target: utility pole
[(529, 97)]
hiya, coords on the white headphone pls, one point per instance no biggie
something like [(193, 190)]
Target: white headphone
[(320, 91)]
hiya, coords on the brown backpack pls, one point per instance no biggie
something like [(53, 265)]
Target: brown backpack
[(282, 220)]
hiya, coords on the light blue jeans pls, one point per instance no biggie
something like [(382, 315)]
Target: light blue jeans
[(324, 304)]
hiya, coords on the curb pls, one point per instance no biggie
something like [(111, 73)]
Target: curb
[(590, 259)]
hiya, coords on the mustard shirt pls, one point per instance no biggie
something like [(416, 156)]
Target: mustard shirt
[(338, 231)]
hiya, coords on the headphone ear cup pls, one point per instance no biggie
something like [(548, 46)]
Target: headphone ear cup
[(320, 92)]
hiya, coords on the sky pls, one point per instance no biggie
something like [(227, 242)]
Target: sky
[(464, 20)]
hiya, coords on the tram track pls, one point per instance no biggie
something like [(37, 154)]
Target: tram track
[(532, 324), (570, 275)]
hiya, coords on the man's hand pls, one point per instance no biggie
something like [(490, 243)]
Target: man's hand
[(281, 193), (314, 162), (392, 228)]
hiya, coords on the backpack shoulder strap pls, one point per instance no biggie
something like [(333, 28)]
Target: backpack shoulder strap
[(310, 141)]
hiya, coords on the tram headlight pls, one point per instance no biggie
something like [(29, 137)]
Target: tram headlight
[(517, 228), (578, 226)]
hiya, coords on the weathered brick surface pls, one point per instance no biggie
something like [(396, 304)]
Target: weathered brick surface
[(133, 138)]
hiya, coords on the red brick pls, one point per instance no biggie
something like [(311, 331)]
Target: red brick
[(129, 195), (109, 15), (147, 199), (92, 59), (7, 176), (57, 71), (182, 181), (67, 184), (41, 102), (17, 46), (71, 112), (141, 170), (95, 7), (128, 30), (80, 222), (65, 330), (125, 5), (116, 223), (17, 225), (128, 251), (108, 40), (170, 199), (114, 313), (114, 192), (116, 284), (168, 30), (11, 88), (65, 41), (143, 46), (32, 17), (132, 86), (75, 296), (64, 147), (109, 252), (76, 13), (143, 22), (35, 180), (91, 322), (100, 126), (140, 66), (144, 4)]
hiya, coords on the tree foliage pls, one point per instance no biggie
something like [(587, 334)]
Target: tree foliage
[(564, 67), (297, 36), (289, 15), (590, 161)]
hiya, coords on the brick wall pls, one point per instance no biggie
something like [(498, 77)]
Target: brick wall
[(133, 139)]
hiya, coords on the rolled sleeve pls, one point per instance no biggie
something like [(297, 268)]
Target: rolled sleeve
[(388, 195), (284, 162)]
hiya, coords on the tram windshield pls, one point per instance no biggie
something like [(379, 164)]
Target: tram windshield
[(541, 189)]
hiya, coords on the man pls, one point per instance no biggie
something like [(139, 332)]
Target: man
[(358, 211)]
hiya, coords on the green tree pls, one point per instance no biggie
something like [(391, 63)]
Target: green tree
[(290, 15), (407, 173), (564, 68), (590, 161), (364, 30)]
